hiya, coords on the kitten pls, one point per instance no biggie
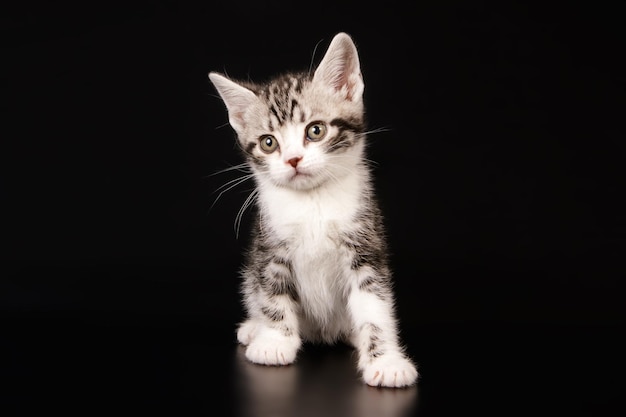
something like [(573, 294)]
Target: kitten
[(317, 267)]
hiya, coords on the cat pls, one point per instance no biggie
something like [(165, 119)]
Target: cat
[(316, 269)]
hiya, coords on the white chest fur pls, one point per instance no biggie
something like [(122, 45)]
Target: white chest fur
[(311, 222), (308, 218)]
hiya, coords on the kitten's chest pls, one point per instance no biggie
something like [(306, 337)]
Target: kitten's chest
[(311, 222), (309, 227)]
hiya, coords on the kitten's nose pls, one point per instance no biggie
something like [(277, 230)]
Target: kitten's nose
[(294, 161)]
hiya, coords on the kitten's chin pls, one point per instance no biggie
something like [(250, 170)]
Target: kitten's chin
[(303, 182), (300, 182)]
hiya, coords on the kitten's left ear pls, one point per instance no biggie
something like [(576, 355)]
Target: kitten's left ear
[(340, 68)]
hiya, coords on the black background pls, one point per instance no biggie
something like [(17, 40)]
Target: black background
[(500, 170)]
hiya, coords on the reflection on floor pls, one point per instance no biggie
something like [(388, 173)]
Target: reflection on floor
[(323, 382)]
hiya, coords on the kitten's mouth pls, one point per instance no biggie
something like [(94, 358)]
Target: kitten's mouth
[(298, 174), (300, 179)]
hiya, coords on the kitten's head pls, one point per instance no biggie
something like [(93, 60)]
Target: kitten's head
[(301, 130)]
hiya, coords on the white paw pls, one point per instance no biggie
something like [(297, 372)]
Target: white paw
[(390, 371), (270, 347), (246, 332)]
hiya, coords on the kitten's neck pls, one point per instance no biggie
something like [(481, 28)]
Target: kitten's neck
[(337, 200)]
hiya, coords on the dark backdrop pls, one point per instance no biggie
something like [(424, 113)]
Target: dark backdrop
[(500, 170)]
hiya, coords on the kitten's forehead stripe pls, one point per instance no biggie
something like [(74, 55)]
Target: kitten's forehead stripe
[(294, 105), (274, 110), (282, 97)]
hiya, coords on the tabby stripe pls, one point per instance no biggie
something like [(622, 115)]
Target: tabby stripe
[(275, 113), (273, 313), (343, 138), (340, 141), (361, 259), (373, 348), (250, 146), (297, 85), (294, 105), (368, 284), (353, 125), (286, 331), (282, 261), (278, 280)]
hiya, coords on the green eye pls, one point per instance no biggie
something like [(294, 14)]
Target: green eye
[(315, 131), (268, 143)]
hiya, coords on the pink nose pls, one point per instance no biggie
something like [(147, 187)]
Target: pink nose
[(294, 161)]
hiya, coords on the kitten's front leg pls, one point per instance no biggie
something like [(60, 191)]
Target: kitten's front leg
[(382, 361), (271, 331), (267, 345)]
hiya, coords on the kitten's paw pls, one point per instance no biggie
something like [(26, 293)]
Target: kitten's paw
[(270, 347), (390, 371), (246, 332)]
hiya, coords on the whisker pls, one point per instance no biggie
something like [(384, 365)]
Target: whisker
[(244, 167), (247, 203), (377, 130), (221, 126), (331, 164), (313, 55), (368, 162), (333, 177), (229, 186), (237, 180)]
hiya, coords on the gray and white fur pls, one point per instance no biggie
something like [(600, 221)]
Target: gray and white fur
[(317, 267)]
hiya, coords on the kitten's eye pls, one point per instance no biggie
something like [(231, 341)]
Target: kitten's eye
[(268, 143), (315, 131)]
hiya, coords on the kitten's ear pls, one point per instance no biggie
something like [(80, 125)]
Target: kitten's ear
[(340, 68), (236, 97)]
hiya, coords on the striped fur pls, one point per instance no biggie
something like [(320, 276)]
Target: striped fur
[(317, 268)]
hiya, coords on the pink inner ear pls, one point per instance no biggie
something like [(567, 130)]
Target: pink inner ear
[(351, 85), (341, 77), (340, 70)]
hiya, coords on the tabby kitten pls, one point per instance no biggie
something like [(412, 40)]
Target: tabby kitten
[(317, 267)]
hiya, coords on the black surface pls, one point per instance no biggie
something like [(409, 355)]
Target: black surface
[(501, 174)]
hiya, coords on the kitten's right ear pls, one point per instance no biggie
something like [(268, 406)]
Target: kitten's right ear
[(236, 97)]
